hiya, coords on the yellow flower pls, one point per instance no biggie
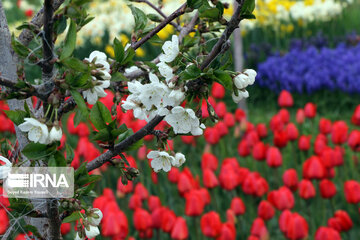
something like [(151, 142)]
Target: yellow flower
[(110, 50), (97, 40), (228, 12), (308, 2), (140, 52), (165, 32), (124, 39)]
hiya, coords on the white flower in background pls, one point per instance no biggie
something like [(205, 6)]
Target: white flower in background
[(252, 75), (95, 217), (37, 131), (92, 95), (171, 50), (241, 95), (91, 231), (184, 121), (6, 168), (131, 69), (160, 160), (55, 134), (179, 160), (166, 71), (241, 81)]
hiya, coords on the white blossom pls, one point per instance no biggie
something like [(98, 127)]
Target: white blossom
[(241, 81), (184, 121), (160, 160), (91, 231), (37, 131), (131, 69), (179, 160), (92, 95), (6, 168), (97, 219), (241, 94), (252, 75), (55, 134), (153, 93), (171, 50), (77, 237), (166, 71)]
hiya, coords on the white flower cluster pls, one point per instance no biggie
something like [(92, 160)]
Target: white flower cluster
[(91, 227), (163, 160), (101, 79), (241, 81), (158, 98), (39, 132)]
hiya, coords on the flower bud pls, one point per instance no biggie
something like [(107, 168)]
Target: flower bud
[(91, 231), (55, 134), (95, 217)]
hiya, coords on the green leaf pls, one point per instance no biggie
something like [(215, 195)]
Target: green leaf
[(154, 17), (116, 132), (100, 115), (83, 110), (102, 135), (190, 73), (70, 41), (57, 160), (33, 230), (75, 64), (73, 217), (117, 77), (212, 13), (38, 150), (136, 145), (19, 48), (140, 18), (248, 16), (60, 25), (224, 79), (129, 55), (248, 7), (16, 116), (195, 4), (119, 50)]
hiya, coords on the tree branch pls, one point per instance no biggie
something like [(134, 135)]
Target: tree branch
[(122, 146), (188, 28), (180, 11), (26, 36), (231, 26), (158, 10), (47, 43)]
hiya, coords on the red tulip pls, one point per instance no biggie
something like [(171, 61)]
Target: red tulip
[(352, 191), (154, 203), (354, 140), (180, 230), (220, 109), (186, 182), (195, 204), (240, 115), (296, 227), (156, 217), (209, 179), (227, 232), (217, 90), (273, 157), (210, 224), (238, 206), (4, 221), (190, 140), (135, 202), (227, 177), (300, 116), (313, 168), (344, 220), (285, 99), (355, 119), (306, 189), (276, 123), (304, 143), (290, 179), (255, 185), (229, 120), (168, 220), (261, 130), (319, 145), (325, 126), (210, 161), (243, 148), (310, 110), (258, 228), (173, 175), (334, 223), (142, 220), (141, 191), (339, 132), (325, 233), (280, 138), (282, 198), (327, 188), (253, 238), (259, 151), (284, 115), (292, 132), (265, 210), (284, 219), (211, 135), (230, 216)]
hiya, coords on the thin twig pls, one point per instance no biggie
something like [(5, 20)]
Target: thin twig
[(231, 26), (158, 10), (180, 11), (188, 28)]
